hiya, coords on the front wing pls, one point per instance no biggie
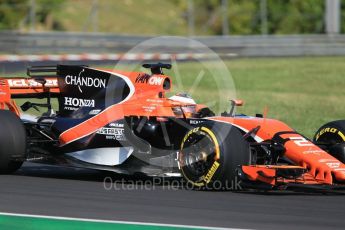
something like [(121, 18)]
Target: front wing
[(284, 177)]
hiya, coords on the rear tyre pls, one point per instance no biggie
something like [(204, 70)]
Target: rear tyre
[(210, 155), (12, 142), (332, 135)]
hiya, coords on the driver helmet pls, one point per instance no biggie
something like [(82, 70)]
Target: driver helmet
[(189, 108)]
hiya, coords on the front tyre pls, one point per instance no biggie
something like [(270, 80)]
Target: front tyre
[(210, 154), (332, 135), (12, 142)]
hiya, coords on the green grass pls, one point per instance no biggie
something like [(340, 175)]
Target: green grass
[(45, 223), (303, 92), (144, 17)]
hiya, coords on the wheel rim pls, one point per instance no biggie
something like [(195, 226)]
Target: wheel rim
[(197, 156)]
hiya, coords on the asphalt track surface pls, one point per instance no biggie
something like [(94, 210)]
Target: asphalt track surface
[(56, 191)]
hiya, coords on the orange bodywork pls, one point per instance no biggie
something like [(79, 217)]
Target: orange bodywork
[(304, 153), (5, 97)]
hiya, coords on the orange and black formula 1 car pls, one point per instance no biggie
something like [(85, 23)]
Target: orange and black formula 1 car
[(124, 122)]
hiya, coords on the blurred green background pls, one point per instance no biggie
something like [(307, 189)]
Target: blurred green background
[(169, 17)]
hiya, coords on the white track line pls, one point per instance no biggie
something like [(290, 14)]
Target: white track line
[(113, 221)]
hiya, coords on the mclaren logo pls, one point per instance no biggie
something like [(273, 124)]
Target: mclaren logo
[(24, 83), (85, 81), (78, 102)]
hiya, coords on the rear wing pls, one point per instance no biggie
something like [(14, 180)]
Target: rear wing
[(42, 81), (32, 87), (41, 71)]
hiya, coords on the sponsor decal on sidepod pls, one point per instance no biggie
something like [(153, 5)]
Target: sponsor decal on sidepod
[(85, 81), (78, 102)]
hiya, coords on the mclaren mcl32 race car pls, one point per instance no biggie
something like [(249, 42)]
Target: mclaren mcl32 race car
[(124, 122)]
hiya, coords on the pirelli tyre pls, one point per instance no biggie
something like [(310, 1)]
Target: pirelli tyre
[(12, 142), (332, 136), (210, 155)]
